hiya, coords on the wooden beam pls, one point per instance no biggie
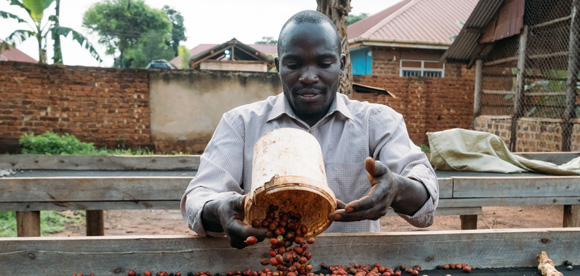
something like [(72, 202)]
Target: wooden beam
[(551, 22), (468, 222), (551, 55), (571, 216), (500, 61), (477, 91), (520, 86), (508, 201), (99, 162), (28, 224), (95, 223), (116, 255), (572, 82), (477, 187), (91, 205), (58, 189), (498, 92)]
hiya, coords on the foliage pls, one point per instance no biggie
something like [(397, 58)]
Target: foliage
[(41, 30), (460, 24), (267, 40), (425, 148), (149, 48), (124, 24), (53, 144), (50, 222), (177, 30), (352, 18), (184, 55)]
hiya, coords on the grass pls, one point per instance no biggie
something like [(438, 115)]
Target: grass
[(50, 222)]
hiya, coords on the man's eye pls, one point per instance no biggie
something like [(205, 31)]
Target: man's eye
[(325, 64), (292, 65)]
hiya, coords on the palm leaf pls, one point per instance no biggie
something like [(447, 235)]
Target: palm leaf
[(81, 39), (36, 8), (19, 36), (7, 15)]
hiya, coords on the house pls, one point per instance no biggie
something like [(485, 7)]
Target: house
[(231, 55), (13, 54), (408, 38), (527, 62)]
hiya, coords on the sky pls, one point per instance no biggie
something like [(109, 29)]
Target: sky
[(206, 21)]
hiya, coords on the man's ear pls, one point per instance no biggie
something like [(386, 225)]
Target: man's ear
[(342, 62), (277, 63)]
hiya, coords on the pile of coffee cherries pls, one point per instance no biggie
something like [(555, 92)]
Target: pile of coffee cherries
[(288, 244)]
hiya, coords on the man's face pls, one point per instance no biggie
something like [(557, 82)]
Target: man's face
[(309, 67)]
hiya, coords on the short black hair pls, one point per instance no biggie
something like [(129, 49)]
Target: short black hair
[(313, 17)]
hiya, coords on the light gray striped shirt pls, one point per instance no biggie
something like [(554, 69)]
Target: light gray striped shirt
[(348, 134)]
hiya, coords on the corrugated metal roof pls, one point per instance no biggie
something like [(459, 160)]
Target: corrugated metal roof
[(13, 54), (467, 41), (414, 21)]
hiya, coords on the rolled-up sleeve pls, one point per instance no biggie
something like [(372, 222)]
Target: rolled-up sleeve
[(219, 175), (392, 145)]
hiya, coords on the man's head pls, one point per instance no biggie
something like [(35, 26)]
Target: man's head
[(309, 63)]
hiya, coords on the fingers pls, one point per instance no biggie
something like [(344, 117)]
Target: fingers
[(375, 168), (372, 214), (339, 204)]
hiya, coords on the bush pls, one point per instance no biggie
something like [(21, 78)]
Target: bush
[(50, 222), (52, 144)]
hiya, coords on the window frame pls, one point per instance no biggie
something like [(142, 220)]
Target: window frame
[(422, 69)]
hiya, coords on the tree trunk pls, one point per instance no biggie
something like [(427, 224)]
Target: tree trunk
[(337, 10), (57, 58)]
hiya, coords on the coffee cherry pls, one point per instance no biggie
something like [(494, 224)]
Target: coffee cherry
[(311, 240), (466, 268), (251, 240), (147, 273), (131, 273)]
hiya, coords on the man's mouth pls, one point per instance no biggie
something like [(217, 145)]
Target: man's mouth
[(309, 94)]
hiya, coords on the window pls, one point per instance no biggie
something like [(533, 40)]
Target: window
[(422, 68)]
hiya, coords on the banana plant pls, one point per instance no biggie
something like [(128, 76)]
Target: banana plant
[(42, 31)]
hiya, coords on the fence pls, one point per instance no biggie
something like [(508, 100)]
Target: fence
[(535, 74)]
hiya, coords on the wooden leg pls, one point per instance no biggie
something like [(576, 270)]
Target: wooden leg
[(95, 223), (468, 222), (571, 215), (28, 223)]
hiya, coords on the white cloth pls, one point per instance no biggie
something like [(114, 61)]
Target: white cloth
[(348, 134), (469, 150)]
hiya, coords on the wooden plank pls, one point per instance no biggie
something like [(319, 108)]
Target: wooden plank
[(520, 87), (557, 158), (445, 187), (100, 162), (477, 90), (468, 222), (505, 201), (95, 223), (572, 78), (117, 254), (571, 216), (51, 189), (448, 211), (91, 205), (28, 224), (474, 187)]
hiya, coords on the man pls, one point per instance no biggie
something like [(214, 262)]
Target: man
[(352, 135)]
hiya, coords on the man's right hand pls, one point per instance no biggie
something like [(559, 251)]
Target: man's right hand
[(227, 215)]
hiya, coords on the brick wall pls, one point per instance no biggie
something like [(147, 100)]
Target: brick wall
[(109, 107), (534, 134), (427, 104)]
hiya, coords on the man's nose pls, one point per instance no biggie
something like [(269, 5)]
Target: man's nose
[(309, 75)]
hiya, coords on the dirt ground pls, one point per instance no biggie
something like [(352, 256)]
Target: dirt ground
[(169, 222)]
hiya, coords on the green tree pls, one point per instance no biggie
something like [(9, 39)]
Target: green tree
[(353, 18), (177, 31), (123, 24), (151, 46), (267, 40), (184, 55), (42, 30)]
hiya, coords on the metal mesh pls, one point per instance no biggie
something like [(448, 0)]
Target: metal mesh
[(551, 41)]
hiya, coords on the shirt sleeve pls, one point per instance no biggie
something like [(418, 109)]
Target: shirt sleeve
[(219, 175), (390, 143)]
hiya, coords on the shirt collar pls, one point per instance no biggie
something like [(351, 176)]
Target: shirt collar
[(281, 106)]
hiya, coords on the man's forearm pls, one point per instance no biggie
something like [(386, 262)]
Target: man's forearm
[(411, 197)]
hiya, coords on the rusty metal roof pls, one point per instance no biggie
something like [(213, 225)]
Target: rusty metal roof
[(268, 49), (466, 43), (418, 22), (13, 54), (238, 51)]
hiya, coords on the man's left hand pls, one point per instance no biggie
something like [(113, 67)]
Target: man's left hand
[(386, 190)]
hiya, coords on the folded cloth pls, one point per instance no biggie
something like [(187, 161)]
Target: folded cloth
[(468, 150)]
